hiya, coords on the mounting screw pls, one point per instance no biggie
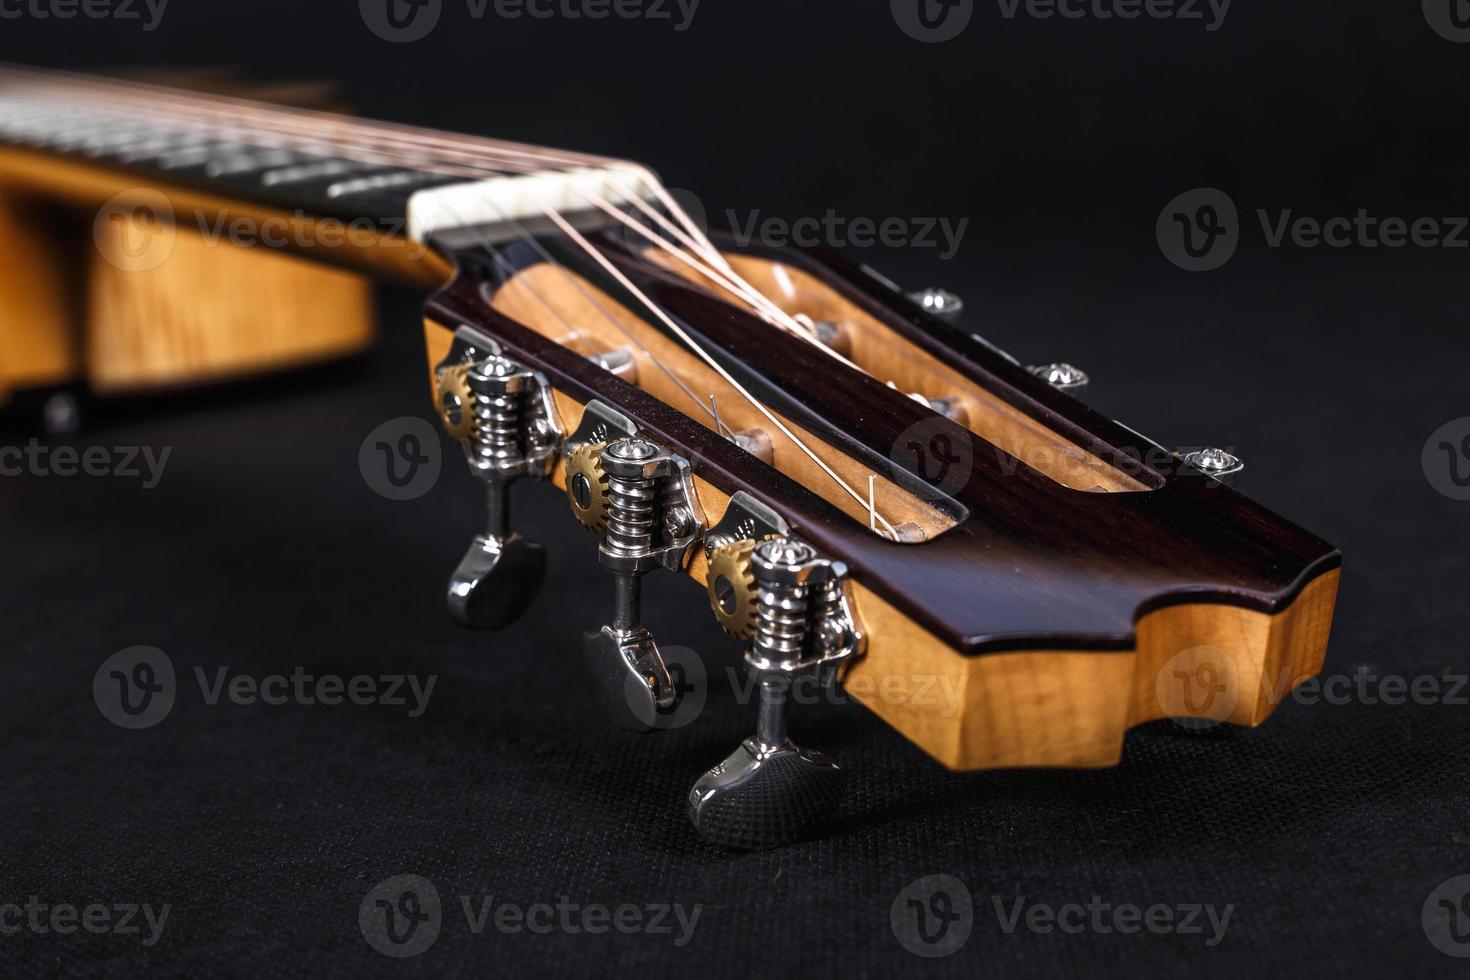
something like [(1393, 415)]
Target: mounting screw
[(1061, 375), (939, 302), (678, 522), (1214, 462)]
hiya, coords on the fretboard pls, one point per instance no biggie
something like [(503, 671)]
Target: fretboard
[(312, 175), (323, 165)]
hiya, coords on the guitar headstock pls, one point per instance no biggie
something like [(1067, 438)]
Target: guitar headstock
[(861, 486), (888, 497)]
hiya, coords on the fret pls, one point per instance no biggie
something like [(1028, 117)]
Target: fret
[(364, 185), (119, 139), (251, 161), (245, 155), (257, 166), (198, 156), (156, 149), (312, 171)]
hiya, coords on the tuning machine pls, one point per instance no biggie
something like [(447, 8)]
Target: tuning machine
[(505, 419), (769, 791), (641, 499)]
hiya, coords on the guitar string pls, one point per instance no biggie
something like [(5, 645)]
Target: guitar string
[(874, 517), (669, 322), (233, 128), (346, 134), (347, 143)]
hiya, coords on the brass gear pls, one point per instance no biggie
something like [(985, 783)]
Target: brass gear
[(734, 602), (456, 402), (584, 466)]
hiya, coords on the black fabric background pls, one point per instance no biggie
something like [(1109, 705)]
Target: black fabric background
[(263, 548)]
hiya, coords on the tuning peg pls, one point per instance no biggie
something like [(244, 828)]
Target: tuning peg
[(498, 411), (769, 791), (501, 571), (643, 500)]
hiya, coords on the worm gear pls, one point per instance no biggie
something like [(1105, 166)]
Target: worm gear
[(731, 587), (456, 401), (587, 485)]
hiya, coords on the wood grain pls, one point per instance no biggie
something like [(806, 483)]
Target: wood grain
[(212, 310), (40, 338), (551, 299), (875, 346), (1048, 707)]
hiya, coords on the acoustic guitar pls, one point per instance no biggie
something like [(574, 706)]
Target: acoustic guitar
[(867, 492)]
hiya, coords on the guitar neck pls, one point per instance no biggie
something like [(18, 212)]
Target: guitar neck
[(313, 166), (269, 156)]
